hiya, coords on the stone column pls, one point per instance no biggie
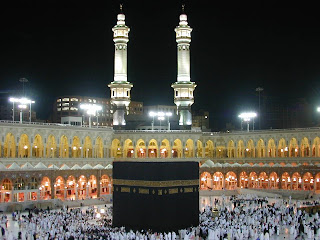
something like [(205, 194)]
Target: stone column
[(77, 194)]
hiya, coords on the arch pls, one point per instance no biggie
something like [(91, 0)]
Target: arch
[(209, 149), (105, 185), (244, 180), (177, 149), (6, 190), (240, 149), (51, 147), (71, 188), (189, 149), (263, 180), (33, 185), (250, 150), (296, 181), (220, 152), (317, 181), (87, 147), (253, 180), (271, 148), (261, 149), (45, 188), (205, 181), (165, 148), (316, 147), (308, 181), (59, 188), (273, 180), (82, 187), (293, 148), (218, 181), (153, 148), (231, 149), (128, 149), (199, 150), (285, 181), (305, 147), (231, 180), (141, 149), (19, 184), (24, 146), (282, 148), (64, 147), (116, 150), (9, 147), (98, 150), (76, 147), (92, 187), (37, 148)]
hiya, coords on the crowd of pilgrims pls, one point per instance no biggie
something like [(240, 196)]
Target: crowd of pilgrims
[(235, 218)]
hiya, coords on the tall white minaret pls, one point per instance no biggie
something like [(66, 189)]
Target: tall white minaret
[(120, 87), (183, 88)]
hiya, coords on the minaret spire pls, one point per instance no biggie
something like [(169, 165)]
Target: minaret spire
[(183, 88), (120, 87)]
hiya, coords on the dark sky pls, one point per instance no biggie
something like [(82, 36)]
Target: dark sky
[(68, 49)]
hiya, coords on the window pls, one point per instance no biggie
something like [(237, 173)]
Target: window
[(65, 108), (58, 109), (65, 99), (59, 100), (74, 99), (65, 104), (176, 93)]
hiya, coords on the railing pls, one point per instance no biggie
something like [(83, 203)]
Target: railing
[(157, 131), (262, 131), (52, 124)]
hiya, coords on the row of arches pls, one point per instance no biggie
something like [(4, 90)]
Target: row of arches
[(71, 188), (261, 149), (52, 149), (262, 180), (87, 148)]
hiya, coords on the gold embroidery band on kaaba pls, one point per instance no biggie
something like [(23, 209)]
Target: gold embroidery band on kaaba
[(141, 183)]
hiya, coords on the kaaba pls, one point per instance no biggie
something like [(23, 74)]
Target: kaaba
[(161, 196)]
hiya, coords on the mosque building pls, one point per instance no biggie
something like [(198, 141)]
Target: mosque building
[(42, 161)]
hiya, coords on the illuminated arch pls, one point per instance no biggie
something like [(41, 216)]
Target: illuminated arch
[(45, 189), (153, 149), (316, 147), (273, 180), (87, 147), (305, 147), (296, 181), (199, 149), (218, 180), (51, 147), (244, 180), (253, 180), (263, 180), (128, 149), (240, 149), (293, 148), (37, 148), (165, 149), (220, 152), (59, 188), (71, 188), (282, 148), (6, 189), (271, 148), (82, 187), (177, 149), (189, 149), (76, 147), (9, 147), (105, 185), (261, 149), (92, 187), (317, 180), (141, 151), (285, 181), (231, 149), (205, 181), (116, 150), (98, 150), (209, 149), (64, 147), (24, 146), (231, 180), (308, 181), (250, 150)]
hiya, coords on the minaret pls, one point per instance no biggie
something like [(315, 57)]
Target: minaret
[(120, 87), (183, 88)]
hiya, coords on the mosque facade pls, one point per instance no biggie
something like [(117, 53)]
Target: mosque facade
[(40, 161)]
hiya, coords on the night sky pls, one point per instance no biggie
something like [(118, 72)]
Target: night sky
[(68, 49)]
